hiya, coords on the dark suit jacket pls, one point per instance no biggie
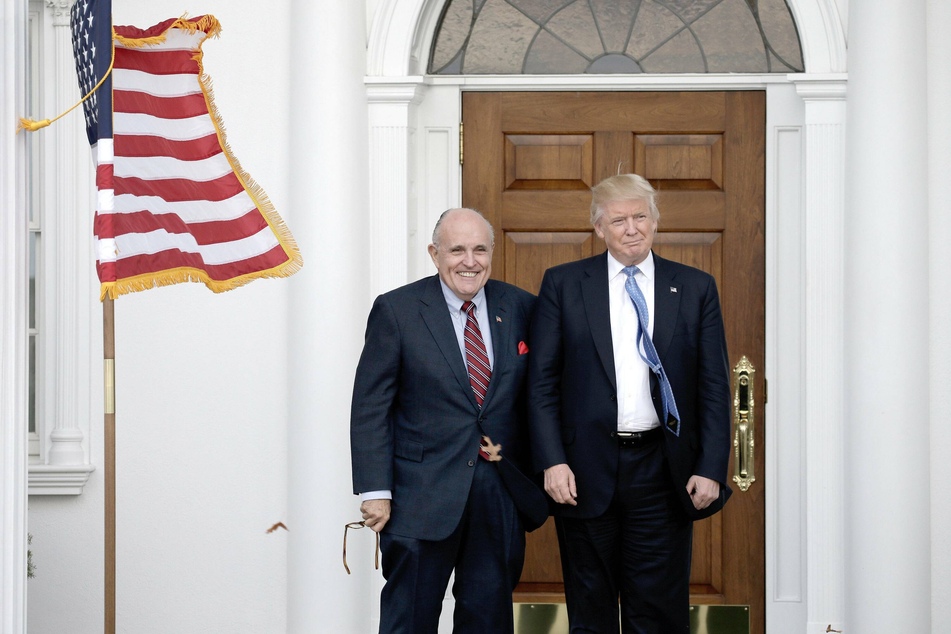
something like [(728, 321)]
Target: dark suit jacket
[(415, 425), (572, 384)]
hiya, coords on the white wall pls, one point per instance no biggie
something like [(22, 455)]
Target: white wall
[(201, 405)]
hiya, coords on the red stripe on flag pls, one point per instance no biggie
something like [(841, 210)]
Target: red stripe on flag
[(103, 226), (131, 145), (213, 232), (180, 189), (156, 61), (104, 179), (181, 107), (137, 265)]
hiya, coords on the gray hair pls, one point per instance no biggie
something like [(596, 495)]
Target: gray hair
[(622, 187), (443, 215)]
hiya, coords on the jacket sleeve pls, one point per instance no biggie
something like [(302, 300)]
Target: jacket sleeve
[(713, 391), (544, 378), (374, 395)]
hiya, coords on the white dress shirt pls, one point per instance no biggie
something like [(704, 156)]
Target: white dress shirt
[(635, 409)]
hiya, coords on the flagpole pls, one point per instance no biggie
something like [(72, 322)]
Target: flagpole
[(109, 458)]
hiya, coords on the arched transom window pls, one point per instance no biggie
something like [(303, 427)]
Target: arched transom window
[(479, 37)]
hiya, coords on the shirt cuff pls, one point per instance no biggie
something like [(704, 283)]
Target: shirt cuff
[(383, 494)]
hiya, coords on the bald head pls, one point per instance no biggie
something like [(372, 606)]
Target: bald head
[(462, 251)]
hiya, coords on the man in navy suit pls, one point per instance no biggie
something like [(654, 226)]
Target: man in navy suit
[(630, 462), (417, 421)]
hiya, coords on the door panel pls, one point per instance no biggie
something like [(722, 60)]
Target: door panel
[(530, 160)]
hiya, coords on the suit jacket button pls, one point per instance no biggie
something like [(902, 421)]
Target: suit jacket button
[(472, 463), (614, 397), (613, 434)]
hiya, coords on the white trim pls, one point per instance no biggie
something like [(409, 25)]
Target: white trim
[(13, 359), (401, 35), (785, 438), (823, 309)]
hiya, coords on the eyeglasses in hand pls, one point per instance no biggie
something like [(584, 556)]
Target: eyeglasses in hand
[(356, 525)]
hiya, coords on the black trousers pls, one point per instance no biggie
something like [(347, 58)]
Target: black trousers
[(486, 551), (638, 551)]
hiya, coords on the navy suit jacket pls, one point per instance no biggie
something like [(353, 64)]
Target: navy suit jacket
[(572, 383), (415, 426)]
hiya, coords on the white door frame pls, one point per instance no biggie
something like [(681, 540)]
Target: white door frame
[(415, 175)]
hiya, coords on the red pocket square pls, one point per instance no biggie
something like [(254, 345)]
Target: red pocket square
[(522, 347)]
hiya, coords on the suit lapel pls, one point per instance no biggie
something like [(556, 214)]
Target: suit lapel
[(435, 314), (667, 293), (597, 307)]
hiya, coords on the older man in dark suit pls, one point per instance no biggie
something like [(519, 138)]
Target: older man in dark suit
[(444, 364), (629, 413)]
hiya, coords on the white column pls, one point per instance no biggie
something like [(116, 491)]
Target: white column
[(939, 230), (392, 191), (824, 99), (887, 509), (13, 361), (67, 224), (328, 298)]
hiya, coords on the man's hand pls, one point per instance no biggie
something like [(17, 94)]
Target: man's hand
[(703, 491), (376, 513), (560, 484)]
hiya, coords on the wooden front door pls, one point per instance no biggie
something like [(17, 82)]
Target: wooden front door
[(529, 161)]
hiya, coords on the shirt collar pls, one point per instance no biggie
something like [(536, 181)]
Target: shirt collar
[(455, 304), (646, 267)]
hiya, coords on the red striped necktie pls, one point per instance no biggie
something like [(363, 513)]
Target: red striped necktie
[(477, 361)]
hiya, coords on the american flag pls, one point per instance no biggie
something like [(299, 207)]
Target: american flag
[(173, 204)]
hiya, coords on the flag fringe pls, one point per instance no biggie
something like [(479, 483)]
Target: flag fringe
[(169, 277), (207, 23)]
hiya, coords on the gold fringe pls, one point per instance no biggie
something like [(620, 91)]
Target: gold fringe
[(256, 192), (207, 23), (181, 275)]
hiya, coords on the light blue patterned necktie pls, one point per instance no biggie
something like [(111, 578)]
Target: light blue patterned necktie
[(649, 355)]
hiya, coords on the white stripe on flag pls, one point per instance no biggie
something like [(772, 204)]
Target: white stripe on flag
[(105, 199), (103, 151), (133, 244), (162, 167), (173, 129), (189, 210), (156, 85), (107, 250)]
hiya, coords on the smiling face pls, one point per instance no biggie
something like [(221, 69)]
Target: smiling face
[(628, 229), (463, 252)]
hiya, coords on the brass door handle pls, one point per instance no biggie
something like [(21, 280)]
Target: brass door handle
[(743, 423)]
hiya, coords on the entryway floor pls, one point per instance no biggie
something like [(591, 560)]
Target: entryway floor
[(552, 618)]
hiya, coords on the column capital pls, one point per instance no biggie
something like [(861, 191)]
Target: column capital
[(391, 103), (395, 90), (820, 87), (59, 9)]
